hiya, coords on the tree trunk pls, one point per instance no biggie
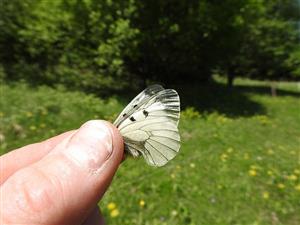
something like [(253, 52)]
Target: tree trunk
[(273, 89), (230, 78)]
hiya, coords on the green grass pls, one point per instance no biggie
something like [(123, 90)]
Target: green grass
[(239, 162)]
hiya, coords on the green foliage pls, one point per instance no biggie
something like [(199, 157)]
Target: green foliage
[(230, 170), (104, 37), (292, 63), (269, 48), (190, 113), (102, 46), (82, 44)]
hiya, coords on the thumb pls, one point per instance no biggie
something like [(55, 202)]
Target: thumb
[(65, 185)]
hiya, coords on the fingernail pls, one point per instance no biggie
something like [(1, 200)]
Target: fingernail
[(91, 145)]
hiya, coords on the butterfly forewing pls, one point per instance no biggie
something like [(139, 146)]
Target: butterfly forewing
[(137, 102), (149, 125)]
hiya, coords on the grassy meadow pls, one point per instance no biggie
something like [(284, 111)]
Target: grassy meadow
[(239, 162)]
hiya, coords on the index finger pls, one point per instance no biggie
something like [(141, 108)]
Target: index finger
[(22, 157)]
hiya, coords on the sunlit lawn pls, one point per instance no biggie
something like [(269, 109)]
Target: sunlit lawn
[(233, 168)]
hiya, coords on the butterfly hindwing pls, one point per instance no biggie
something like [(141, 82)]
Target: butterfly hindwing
[(152, 129)]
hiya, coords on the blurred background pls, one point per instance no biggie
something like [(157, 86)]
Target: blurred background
[(235, 64)]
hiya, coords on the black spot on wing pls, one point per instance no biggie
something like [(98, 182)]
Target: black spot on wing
[(132, 119), (146, 113)]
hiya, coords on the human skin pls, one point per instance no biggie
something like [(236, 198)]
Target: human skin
[(60, 180)]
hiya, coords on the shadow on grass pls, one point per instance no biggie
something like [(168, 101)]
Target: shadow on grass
[(266, 90), (235, 102), (217, 97)]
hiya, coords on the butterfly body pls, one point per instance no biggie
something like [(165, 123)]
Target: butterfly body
[(149, 125)]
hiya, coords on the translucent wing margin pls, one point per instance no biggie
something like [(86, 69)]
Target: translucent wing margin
[(135, 104), (151, 129)]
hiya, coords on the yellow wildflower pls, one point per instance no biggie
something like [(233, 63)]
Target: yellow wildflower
[(270, 173), (32, 127), (111, 206), (142, 203), (114, 213), (296, 171), (252, 173), (263, 120), (192, 165), (42, 125), (246, 156), (230, 150), (174, 213), (224, 157), (2, 138), (281, 186), (297, 187), (29, 114), (222, 119), (173, 175), (178, 167), (292, 177), (270, 152), (266, 195)]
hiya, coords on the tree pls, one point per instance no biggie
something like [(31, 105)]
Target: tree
[(81, 44), (269, 46), (183, 41), (107, 45)]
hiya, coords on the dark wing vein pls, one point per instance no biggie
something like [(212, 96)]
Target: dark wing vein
[(164, 145), (166, 137), (158, 151), (144, 154)]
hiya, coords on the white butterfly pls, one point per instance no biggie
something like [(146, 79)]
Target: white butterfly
[(149, 125)]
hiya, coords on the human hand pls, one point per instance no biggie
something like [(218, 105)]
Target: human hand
[(60, 180)]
